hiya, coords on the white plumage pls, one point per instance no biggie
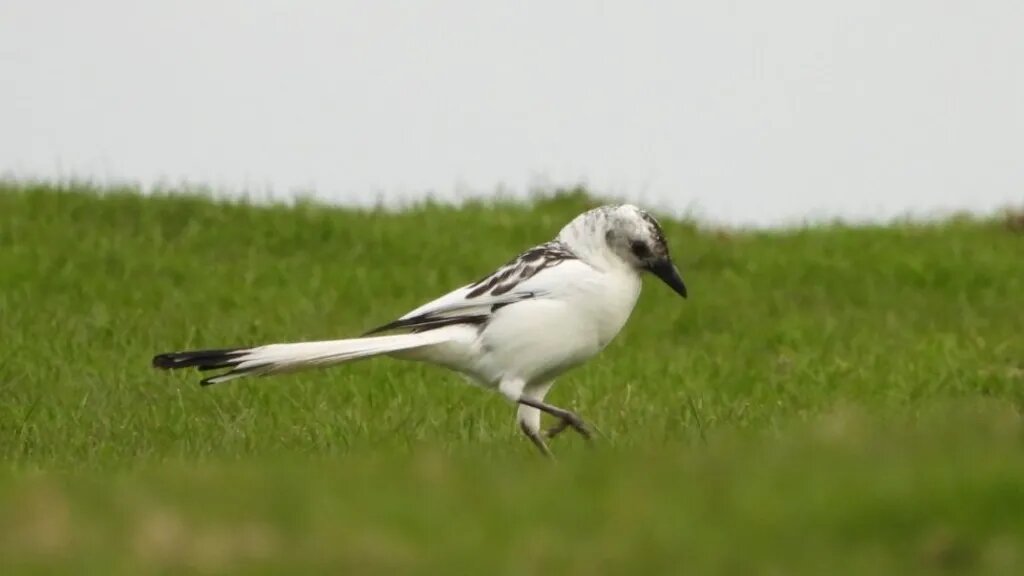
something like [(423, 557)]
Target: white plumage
[(550, 309)]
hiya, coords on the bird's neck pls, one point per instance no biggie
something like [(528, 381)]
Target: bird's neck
[(590, 246)]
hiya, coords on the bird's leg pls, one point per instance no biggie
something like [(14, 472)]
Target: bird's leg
[(534, 437), (567, 418)]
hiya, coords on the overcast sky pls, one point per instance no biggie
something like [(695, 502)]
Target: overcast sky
[(743, 111)]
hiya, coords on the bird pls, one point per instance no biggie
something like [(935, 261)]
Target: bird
[(550, 309)]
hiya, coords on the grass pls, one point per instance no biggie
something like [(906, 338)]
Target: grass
[(830, 399)]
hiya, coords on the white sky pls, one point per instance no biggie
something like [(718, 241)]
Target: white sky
[(745, 111)]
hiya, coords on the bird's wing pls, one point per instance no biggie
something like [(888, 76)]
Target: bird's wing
[(535, 273)]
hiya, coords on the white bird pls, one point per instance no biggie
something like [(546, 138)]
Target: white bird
[(550, 309)]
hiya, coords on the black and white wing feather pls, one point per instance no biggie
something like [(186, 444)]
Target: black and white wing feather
[(518, 280)]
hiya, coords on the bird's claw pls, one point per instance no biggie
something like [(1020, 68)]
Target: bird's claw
[(570, 420)]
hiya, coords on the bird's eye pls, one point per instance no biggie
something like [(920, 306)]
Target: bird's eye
[(639, 249)]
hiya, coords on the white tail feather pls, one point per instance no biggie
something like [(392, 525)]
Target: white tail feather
[(280, 358)]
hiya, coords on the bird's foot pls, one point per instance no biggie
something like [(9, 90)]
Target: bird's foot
[(566, 421), (537, 440)]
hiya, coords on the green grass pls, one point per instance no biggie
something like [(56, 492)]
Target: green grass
[(829, 400)]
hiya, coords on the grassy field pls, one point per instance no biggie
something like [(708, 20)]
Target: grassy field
[(830, 400)]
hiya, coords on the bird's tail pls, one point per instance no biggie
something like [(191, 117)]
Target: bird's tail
[(280, 358)]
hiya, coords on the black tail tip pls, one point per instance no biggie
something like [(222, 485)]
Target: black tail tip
[(202, 359), (165, 361)]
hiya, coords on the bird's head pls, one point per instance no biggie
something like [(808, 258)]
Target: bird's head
[(628, 235)]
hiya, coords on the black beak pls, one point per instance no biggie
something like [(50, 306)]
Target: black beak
[(668, 273)]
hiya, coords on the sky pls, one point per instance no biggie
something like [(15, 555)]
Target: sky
[(740, 112)]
